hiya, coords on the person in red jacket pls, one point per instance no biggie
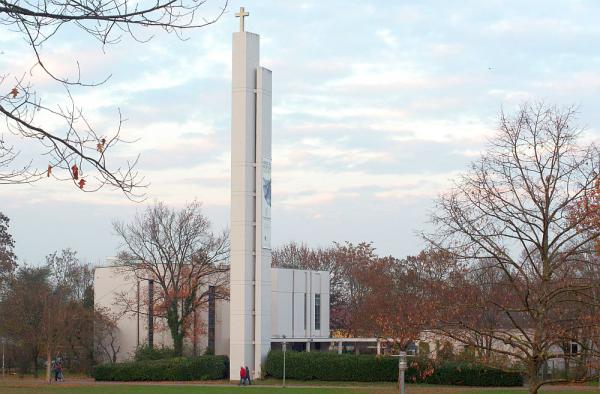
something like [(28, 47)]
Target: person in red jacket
[(242, 376)]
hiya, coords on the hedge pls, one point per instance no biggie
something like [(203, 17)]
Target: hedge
[(144, 352), (368, 368), (180, 368), (471, 374)]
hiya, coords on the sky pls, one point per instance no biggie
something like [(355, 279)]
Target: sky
[(377, 107)]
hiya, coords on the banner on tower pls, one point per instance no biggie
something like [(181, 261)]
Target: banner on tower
[(266, 204)]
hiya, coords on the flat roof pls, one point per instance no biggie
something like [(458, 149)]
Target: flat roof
[(279, 339)]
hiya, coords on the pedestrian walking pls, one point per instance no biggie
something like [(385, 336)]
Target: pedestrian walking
[(57, 367), (248, 376), (242, 376), (61, 377)]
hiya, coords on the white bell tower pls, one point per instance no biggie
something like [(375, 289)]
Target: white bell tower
[(250, 308)]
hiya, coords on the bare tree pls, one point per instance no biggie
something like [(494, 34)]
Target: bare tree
[(106, 336), (513, 210), (76, 151), (10, 174), (177, 250), (70, 273)]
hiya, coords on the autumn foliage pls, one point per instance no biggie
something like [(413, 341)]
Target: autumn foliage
[(372, 296), (48, 310), (397, 303), (586, 212)]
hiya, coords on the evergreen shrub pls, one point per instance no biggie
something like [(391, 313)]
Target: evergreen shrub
[(369, 368), (179, 368), (144, 352)]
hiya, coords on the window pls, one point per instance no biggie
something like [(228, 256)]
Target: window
[(304, 311), (317, 311), (574, 348)]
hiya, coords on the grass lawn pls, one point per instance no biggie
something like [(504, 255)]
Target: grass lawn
[(162, 389), (90, 387)]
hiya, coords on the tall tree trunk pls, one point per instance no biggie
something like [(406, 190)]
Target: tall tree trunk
[(178, 344), (48, 363), (534, 382), (34, 356), (174, 327), (195, 336), (533, 389)]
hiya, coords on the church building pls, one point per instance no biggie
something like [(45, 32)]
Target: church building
[(299, 312), (267, 305)]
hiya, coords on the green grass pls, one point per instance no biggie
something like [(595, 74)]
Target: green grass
[(325, 383), (89, 387), (163, 389)]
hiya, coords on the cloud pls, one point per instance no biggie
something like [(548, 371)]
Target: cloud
[(446, 49), (375, 110), (315, 187), (387, 37)]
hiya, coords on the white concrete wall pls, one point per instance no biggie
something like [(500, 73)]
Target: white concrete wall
[(434, 339), (222, 327), (291, 315), (107, 284), (287, 285), (112, 284)]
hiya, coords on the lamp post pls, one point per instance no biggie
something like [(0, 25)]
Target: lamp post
[(2, 358), (284, 346), (401, 368), (138, 315)]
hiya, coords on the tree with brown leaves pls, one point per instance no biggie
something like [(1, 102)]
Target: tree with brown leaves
[(8, 259), (44, 313), (397, 301), (343, 262), (587, 211)]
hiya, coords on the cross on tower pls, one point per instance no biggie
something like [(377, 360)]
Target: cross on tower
[(243, 13)]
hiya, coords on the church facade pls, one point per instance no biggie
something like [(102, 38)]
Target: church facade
[(299, 304)]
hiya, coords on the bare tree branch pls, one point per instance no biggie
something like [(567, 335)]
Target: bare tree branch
[(527, 256), (178, 251), (76, 151)]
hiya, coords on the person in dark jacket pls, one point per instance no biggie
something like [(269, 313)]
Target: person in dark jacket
[(248, 376), (58, 374), (242, 376)]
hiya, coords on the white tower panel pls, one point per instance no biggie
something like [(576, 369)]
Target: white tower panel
[(250, 310), (262, 335)]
